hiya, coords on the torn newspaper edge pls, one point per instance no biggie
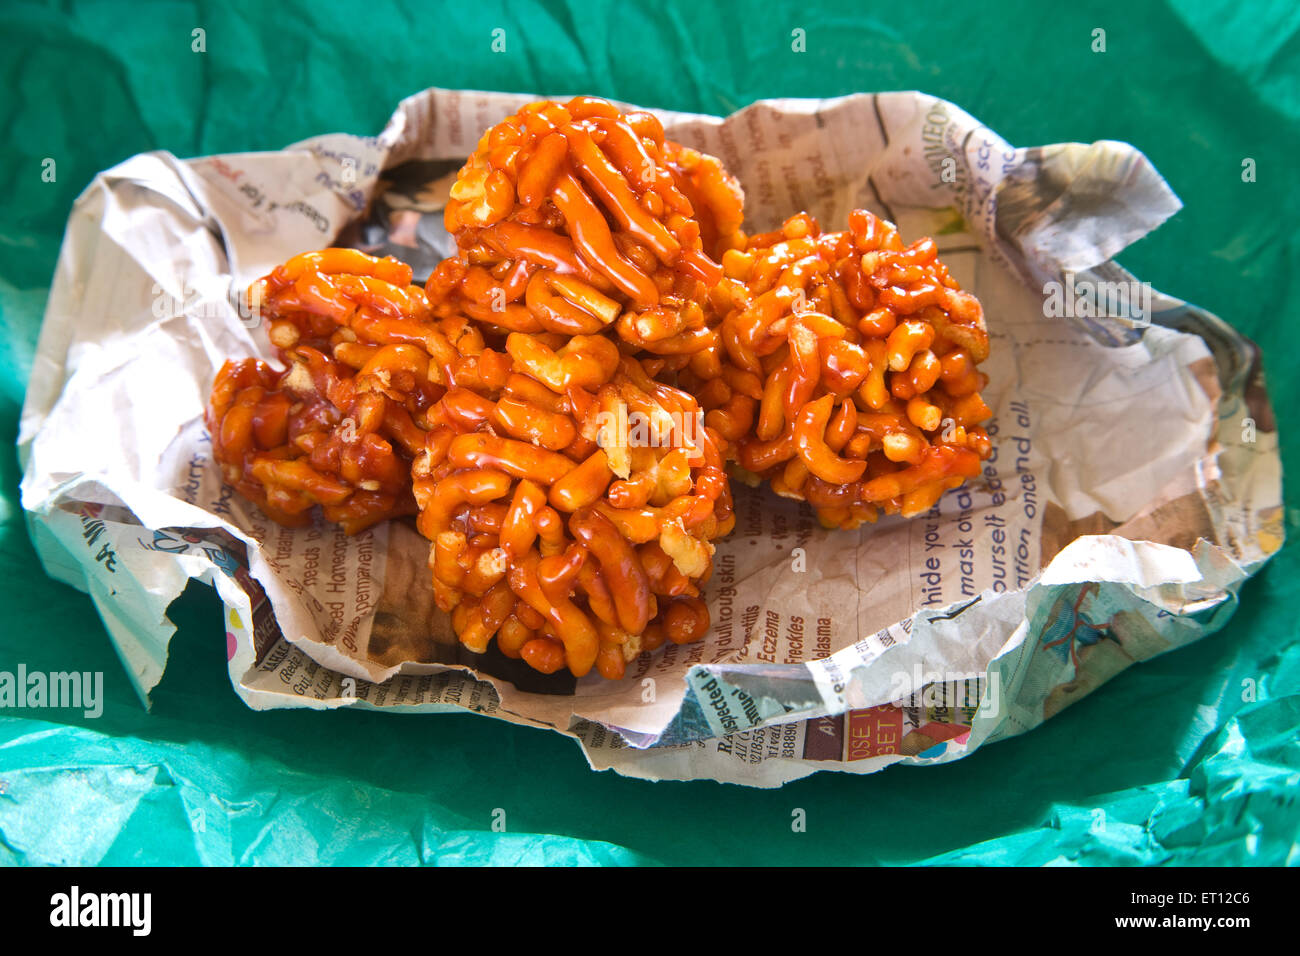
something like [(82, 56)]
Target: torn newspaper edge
[(1135, 484)]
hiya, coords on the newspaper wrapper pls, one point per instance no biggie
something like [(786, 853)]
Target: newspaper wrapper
[(1134, 485)]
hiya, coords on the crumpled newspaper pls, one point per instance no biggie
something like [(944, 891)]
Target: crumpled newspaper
[(1135, 484)]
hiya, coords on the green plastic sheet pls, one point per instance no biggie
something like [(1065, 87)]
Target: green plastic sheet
[(1193, 758)]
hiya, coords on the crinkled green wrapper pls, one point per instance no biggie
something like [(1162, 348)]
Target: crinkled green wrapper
[(1193, 758)]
